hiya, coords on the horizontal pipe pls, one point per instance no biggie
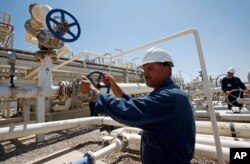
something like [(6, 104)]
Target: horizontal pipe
[(135, 88), (46, 127), (224, 142), (225, 137), (202, 127), (27, 92), (225, 128), (224, 115), (132, 138), (35, 91), (156, 42), (210, 152), (127, 130)]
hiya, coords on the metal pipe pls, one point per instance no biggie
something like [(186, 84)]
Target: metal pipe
[(148, 45), (127, 129), (12, 132), (224, 115), (35, 91), (134, 88), (225, 129), (225, 137), (46, 88), (116, 145), (84, 53), (224, 142), (208, 94), (210, 152)]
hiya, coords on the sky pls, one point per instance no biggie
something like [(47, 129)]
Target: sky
[(108, 25)]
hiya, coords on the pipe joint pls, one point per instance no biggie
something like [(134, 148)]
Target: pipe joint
[(64, 90), (120, 143)]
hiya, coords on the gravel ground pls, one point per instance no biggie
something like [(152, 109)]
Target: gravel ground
[(85, 139)]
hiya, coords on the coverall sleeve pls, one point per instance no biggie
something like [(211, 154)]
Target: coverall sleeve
[(223, 85), (137, 112), (242, 85)]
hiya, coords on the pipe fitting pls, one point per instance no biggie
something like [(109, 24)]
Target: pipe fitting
[(64, 90)]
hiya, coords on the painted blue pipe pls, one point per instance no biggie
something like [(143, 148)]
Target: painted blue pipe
[(87, 159)]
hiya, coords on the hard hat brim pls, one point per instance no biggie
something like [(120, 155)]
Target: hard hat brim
[(154, 61)]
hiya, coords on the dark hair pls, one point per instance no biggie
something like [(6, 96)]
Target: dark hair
[(165, 64)]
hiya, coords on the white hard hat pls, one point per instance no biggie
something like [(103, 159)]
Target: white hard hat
[(155, 55), (231, 70)]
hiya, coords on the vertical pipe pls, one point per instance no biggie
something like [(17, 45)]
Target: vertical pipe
[(209, 97), (45, 83)]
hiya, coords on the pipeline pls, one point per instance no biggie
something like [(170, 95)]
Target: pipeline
[(223, 115), (7, 133), (121, 140), (225, 129)]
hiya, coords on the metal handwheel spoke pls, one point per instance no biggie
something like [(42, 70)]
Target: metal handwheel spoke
[(62, 17), (234, 101), (236, 97), (70, 33), (72, 24), (54, 21)]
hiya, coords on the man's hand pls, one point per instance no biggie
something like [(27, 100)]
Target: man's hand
[(108, 80), (228, 93), (247, 92), (85, 85)]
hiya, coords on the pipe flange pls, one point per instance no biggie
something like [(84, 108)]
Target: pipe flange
[(45, 52), (76, 95), (63, 93)]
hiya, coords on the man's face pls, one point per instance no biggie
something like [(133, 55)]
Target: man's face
[(230, 75), (155, 74)]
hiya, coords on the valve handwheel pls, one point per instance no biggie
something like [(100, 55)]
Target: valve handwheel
[(231, 102), (63, 27), (97, 82)]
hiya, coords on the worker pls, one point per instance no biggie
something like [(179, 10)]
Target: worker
[(229, 83), (165, 115)]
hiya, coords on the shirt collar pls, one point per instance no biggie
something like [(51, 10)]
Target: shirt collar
[(166, 82)]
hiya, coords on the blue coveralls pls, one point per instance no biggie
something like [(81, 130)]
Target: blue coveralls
[(231, 84), (166, 117)]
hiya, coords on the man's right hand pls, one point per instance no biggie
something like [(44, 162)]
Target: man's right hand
[(228, 93), (108, 80)]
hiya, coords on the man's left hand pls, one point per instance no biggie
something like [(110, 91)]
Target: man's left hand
[(85, 85)]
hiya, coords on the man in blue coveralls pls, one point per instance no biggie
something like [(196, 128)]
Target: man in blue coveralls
[(229, 83), (165, 115)]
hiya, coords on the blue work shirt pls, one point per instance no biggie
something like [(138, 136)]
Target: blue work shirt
[(228, 84), (166, 117)]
